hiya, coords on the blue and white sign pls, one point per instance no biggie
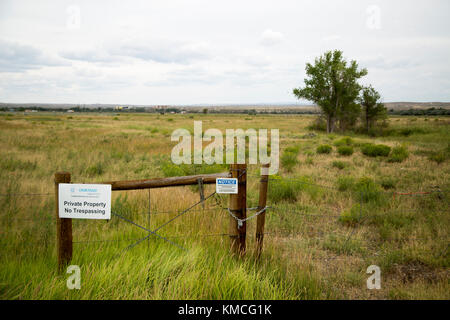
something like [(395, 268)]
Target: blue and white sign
[(84, 201), (227, 185)]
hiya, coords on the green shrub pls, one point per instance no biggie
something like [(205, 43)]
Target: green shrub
[(375, 150), (292, 149), (345, 150), (346, 141), (438, 157), (152, 130), (288, 190), (338, 164), (284, 190), (387, 183), (398, 154), (345, 183), (352, 216), (319, 124), (289, 161), (411, 130), (367, 190), (171, 170), (324, 148)]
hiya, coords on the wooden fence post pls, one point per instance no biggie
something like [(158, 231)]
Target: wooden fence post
[(201, 191), (261, 218), (63, 226), (238, 206)]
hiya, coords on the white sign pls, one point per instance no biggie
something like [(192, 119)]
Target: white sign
[(227, 185), (84, 201)]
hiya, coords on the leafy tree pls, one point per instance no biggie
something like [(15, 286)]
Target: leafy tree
[(373, 110), (349, 115), (332, 84)]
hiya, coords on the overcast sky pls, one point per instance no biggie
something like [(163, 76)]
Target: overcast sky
[(192, 52)]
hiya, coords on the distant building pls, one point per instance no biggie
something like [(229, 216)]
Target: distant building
[(70, 111)]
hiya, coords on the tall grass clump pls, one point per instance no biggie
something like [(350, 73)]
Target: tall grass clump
[(346, 141), (387, 183), (170, 169), (398, 154), (375, 150), (289, 158), (352, 216), (406, 132), (345, 183), (281, 189), (96, 169), (324, 149), (366, 190), (10, 164), (345, 150), (339, 164), (440, 156)]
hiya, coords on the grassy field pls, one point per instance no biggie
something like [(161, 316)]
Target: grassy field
[(335, 211)]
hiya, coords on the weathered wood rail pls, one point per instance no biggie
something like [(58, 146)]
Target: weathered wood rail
[(238, 206), (166, 182)]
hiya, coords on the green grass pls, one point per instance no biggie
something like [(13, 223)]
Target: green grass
[(289, 158), (319, 239), (95, 170), (346, 141), (398, 154), (345, 183), (367, 190), (375, 150), (324, 149), (339, 164), (290, 189), (11, 164), (345, 150), (157, 271), (439, 156)]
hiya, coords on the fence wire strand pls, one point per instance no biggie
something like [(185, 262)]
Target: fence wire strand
[(219, 206)]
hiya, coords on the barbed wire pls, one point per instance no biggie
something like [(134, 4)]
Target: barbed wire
[(297, 179), (423, 192), (219, 200), (298, 212)]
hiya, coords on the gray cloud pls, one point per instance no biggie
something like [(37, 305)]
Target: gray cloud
[(235, 51), (161, 51), (15, 57), (88, 56)]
